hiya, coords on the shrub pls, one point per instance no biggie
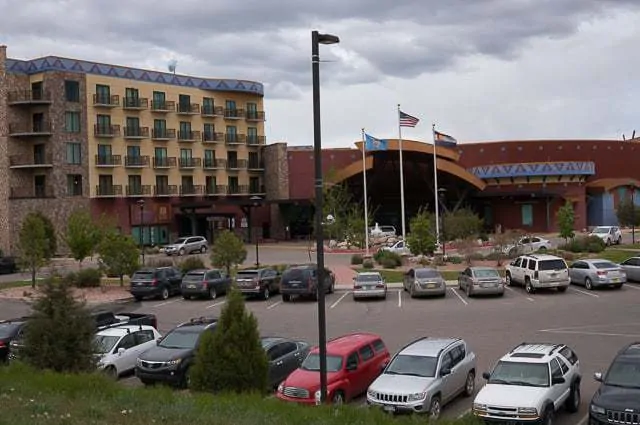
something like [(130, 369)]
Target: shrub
[(456, 259), (390, 257), (160, 262), (280, 268), (389, 263), (568, 256), (367, 264), (424, 261), (584, 244), (493, 256), (152, 250), (228, 251), (86, 278), (191, 263), (356, 259)]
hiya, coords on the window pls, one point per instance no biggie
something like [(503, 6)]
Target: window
[(40, 183), (525, 263), (254, 185), (133, 123), (72, 122), (232, 182), (184, 100), (185, 128), (230, 104), (213, 275), (73, 154), (556, 372), (159, 100), (72, 91), (207, 106), (144, 336), (104, 151), (186, 154), (39, 154), (128, 341), (252, 134), (527, 214), (252, 108), (563, 366), (133, 151), (74, 185), (232, 130), (209, 130), (103, 94), (532, 265), (232, 157), (162, 181), (457, 353), (352, 360), (209, 158), (447, 361), (210, 182), (518, 262), (160, 152), (131, 97), (135, 184), (254, 160), (366, 353), (568, 354), (160, 126), (187, 181), (104, 121)]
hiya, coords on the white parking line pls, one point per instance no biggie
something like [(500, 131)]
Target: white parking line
[(216, 304), (274, 305), (463, 414), (164, 303), (340, 299), (591, 333), (584, 420), (508, 288), (459, 296), (400, 299), (632, 286), (585, 292), (530, 299)]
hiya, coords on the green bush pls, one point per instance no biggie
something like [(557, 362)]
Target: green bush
[(367, 264), (494, 256), (389, 263), (85, 278), (456, 259), (191, 263), (383, 257), (356, 259), (584, 244)]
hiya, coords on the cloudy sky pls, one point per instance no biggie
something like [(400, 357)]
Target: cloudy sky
[(479, 69)]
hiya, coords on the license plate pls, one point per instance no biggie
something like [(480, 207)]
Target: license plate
[(389, 408), (615, 279), (431, 285), (139, 283), (191, 286), (487, 285)]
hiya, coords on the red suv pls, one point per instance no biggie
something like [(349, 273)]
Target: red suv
[(354, 361)]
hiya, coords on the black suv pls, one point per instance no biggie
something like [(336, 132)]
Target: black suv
[(9, 330), (302, 280), (161, 282), (170, 360), (617, 401)]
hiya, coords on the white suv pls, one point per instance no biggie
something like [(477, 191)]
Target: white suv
[(530, 384), (609, 234), (118, 347), (538, 271), (187, 245)]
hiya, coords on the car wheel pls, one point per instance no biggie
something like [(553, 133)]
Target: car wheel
[(619, 241), (138, 298), (618, 286), (338, 398), (265, 293), (573, 402), (213, 294), (435, 408), (181, 252), (562, 288), (542, 249), (286, 298), (111, 372), (547, 419), (165, 293), (588, 284), (203, 249), (507, 279), (529, 287), (186, 297), (470, 384), (185, 382)]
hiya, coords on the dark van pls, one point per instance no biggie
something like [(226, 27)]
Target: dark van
[(302, 280)]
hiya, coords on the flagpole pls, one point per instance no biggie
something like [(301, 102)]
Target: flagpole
[(402, 211), (366, 209), (435, 185)]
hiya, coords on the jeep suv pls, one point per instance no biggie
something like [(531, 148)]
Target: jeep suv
[(617, 401), (529, 385), (538, 271), (425, 375)]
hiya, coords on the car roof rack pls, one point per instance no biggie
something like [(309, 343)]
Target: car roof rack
[(551, 346), (202, 320)]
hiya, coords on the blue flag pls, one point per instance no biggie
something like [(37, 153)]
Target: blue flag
[(373, 144)]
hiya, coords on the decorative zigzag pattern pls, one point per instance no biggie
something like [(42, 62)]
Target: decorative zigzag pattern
[(54, 63), (530, 169)]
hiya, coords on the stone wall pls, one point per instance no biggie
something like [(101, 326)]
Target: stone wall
[(276, 171)]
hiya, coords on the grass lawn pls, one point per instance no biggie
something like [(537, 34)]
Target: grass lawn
[(16, 284), (394, 276), (614, 255), (28, 397), (629, 246)]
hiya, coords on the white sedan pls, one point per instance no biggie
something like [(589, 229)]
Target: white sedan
[(118, 347), (528, 245), (399, 248)]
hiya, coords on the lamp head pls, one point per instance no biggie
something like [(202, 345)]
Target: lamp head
[(328, 39)]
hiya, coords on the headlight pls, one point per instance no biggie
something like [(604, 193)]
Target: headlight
[(479, 407), (597, 409), (527, 411), (174, 362), (371, 394), (281, 388), (417, 396)]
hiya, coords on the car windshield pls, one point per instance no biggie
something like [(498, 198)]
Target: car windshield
[(142, 275), (404, 364), (312, 363), (427, 274), (7, 329), (520, 373), (605, 265), (368, 278), (247, 275), (294, 274), (180, 241), (548, 265), (194, 277), (486, 273), (105, 343), (180, 339), (623, 374), (601, 230)]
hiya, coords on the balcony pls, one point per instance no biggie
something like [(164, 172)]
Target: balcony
[(163, 107), (106, 101), (36, 129), (108, 160), (30, 161), (238, 190), (238, 164), (139, 190), (187, 108), (163, 133), (235, 139), (136, 161), (189, 163), (233, 114), (188, 136), (165, 190), (255, 189), (192, 190), (255, 116), (29, 97), (212, 111), (164, 162), (135, 103), (136, 132), (217, 190), (255, 165), (214, 164), (253, 140), (108, 190), (208, 137), (31, 192), (100, 130)]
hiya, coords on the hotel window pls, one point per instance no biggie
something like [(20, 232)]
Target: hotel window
[(254, 160), (187, 182), (230, 105), (72, 122), (131, 97), (232, 130), (252, 135), (160, 152), (135, 185), (159, 100), (233, 184), (105, 181), (209, 131), (184, 103), (104, 155), (162, 183), (209, 158), (103, 94), (133, 151), (74, 156), (74, 185), (185, 128), (104, 123), (210, 182), (207, 106), (254, 184), (160, 126), (252, 111), (232, 159), (527, 214), (186, 154), (72, 91), (133, 123)]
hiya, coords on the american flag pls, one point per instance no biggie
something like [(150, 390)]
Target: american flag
[(407, 120)]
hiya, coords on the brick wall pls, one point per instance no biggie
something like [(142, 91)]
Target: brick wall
[(5, 232)]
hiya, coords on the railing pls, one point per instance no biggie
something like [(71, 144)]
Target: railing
[(135, 103), (31, 192), (212, 137), (136, 161), (234, 114), (189, 162), (212, 190), (106, 100), (109, 190), (235, 139), (255, 115), (221, 190), (190, 136), (256, 189), (108, 160), (238, 190), (165, 190), (141, 190), (163, 106), (29, 96), (187, 108), (163, 133), (191, 189), (164, 162), (238, 164), (212, 111), (21, 160), (256, 140), (35, 128), (136, 132), (214, 163), (100, 130)]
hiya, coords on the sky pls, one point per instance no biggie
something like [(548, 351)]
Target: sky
[(479, 69)]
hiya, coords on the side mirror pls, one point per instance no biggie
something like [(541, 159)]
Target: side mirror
[(353, 278), (446, 371), (121, 351), (556, 381), (598, 376), (486, 375), (158, 340)]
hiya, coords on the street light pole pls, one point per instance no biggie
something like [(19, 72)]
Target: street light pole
[(141, 204), (316, 40), (443, 240), (633, 215)]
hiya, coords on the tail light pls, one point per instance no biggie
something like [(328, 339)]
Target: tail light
[(380, 285), (356, 286), (154, 282), (601, 273), (474, 282), (2, 344)]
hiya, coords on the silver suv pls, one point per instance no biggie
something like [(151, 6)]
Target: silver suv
[(187, 245), (538, 271), (425, 375)]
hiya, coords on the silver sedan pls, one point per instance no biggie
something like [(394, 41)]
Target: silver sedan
[(481, 281), (594, 272), (424, 281), (369, 285), (631, 267)]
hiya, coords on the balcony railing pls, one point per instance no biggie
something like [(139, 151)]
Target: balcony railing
[(213, 190), (220, 190), (208, 137), (136, 103), (238, 164), (109, 190), (136, 161), (238, 190), (163, 106), (190, 162), (164, 162), (165, 190), (139, 190), (191, 190), (26, 161), (27, 97), (100, 130), (163, 133), (136, 132), (22, 192), (106, 101), (255, 115), (235, 139), (253, 140), (188, 136), (212, 163), (255, 165), (108, 160), (256, 189), (212, 111), (187, 108), (233, 114), (37, 128)]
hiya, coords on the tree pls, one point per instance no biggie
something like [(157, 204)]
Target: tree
[(34, 245), (59, 335), (337, 202), (466, 247), (422, 239), (628, 214), (505, 239), (566, 221), (118, 254), (81, 235), (228, 251), (231, 358), (461, 224), (50, 231)]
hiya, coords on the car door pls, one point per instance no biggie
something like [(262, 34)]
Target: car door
[(370, 370), (465, 278), (290, 358), (514, 269), (448, 380), (175, 277), (127, 359), (632, 268), (355, 375), (521, 271), (408, 279), (559, 392), (578, 272), (276, 364), (459, 369)]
